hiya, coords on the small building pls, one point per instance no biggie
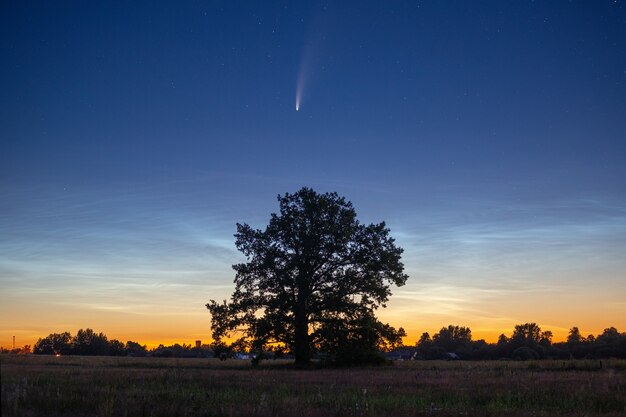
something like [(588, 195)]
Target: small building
[(403, 353), (242, 356)]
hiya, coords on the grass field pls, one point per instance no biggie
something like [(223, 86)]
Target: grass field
[(103, 386)]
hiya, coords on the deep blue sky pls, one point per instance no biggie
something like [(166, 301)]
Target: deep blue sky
[(490, 135)]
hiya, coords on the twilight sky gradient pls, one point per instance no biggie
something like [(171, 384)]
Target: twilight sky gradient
[(490, 135)]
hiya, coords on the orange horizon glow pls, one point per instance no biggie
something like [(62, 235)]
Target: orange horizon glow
[(153, 340)]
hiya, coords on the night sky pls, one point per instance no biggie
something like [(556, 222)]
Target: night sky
[(489, 135)]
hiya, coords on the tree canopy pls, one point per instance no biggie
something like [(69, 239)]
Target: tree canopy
[(452, 337), (312, 280)]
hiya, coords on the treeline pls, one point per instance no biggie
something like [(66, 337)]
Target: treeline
[(89, 343), (528, 341), (86, 342)]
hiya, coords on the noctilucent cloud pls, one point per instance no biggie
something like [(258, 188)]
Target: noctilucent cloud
[(490, 136)]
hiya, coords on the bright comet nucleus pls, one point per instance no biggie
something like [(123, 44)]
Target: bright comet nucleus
[(299, 90)]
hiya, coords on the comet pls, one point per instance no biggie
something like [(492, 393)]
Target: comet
[(298, 92), (300, 85), (310, 59), (304, 76)]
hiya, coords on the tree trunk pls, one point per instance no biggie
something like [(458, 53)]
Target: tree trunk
[(301, 342)]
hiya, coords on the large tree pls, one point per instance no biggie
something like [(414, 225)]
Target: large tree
[(312, 279)]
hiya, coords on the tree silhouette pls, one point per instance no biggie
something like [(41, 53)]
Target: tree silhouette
[(135, 349), (88, 342), (452, 338), (54, 343), (311, 276), (527, 334), (425, 341), (574, 337)]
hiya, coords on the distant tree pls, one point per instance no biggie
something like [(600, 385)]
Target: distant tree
[(574, 337), (576, 345), (135, 349), (54, 343), (313, 266), (116, 348), (545, 338), (503, 346), (609, 336), (162, 351), (88, 342), (611, 343), (177, 350), (452, 338), (424, 343), (528, 334)]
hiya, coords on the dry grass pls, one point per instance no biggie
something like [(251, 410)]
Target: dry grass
[(83, 386)]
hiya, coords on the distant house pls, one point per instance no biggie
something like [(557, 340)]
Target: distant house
[(242, 356), (403, 354)]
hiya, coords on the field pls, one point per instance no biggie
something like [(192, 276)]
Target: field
[(90, 386)]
